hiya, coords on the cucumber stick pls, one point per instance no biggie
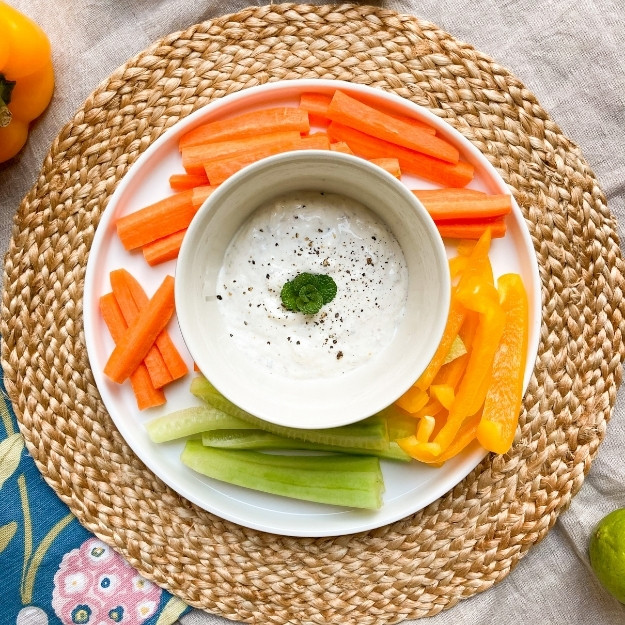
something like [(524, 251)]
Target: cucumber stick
[(189, 421), (370, 433), (352, 481), (259, 439)]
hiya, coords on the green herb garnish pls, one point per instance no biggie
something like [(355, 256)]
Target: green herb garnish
[(308, 292)]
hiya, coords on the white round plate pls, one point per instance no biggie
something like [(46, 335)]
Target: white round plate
[(409, 486)]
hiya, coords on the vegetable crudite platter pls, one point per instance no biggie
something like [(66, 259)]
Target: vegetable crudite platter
[(88, 437), (158, 435)]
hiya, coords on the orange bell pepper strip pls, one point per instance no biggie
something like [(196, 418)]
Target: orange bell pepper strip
[(451, 373), (455, 318), (473, 387), (457, 264), (478, 265), (465, 247), (425, 428), (503, 400), (425, 452), (419, 449), (431, 409), (445, 393), (466, 435), (412, 400), (26, 78)]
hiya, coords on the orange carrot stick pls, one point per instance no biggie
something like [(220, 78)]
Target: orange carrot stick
[(350, 112), (182, 182), (162, 250), (252, 124), (200, 194), (317, 105), (449, 193), (390, 164), (146, 395), (194, 157), (340, 146), (154, 361), (153, 222), (410, 162), (471, 228), (452, 206), (135, 343), (174, 362), (220, 169)]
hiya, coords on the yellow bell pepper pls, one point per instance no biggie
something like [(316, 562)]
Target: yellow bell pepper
[(429, 452), (26, 78), (503, 400)]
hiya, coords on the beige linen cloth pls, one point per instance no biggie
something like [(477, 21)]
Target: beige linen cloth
[(569, 54)]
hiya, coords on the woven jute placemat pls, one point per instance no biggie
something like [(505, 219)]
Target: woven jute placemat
[(463, 543)]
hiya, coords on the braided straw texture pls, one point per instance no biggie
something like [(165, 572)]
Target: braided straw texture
[(461, 544)]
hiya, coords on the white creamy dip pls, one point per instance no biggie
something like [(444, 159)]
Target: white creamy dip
[(315, 232)]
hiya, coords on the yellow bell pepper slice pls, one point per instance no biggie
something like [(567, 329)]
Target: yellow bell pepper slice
[(425, 428), (26, 78), (445, 394), (465, 436), (412, 400), (503, 400)]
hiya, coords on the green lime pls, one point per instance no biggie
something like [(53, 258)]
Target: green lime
[(607, 553)]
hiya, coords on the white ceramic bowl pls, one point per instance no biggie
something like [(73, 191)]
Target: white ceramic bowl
[(316, 401)]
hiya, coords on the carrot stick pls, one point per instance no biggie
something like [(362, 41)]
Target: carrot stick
[(194, 157), (156, 221), (410, 162), (174, 362), (220, 169), (340, 146), (445, 205), (154, 362), (317, 105), (265, 121), (136, 342), (449, 193), (182, 182), (146, 395), (350, 112), (471, 228), (390, 164), (162, 250), (200, 194)]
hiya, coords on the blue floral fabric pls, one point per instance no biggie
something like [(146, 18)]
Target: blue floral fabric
[(54, 571)]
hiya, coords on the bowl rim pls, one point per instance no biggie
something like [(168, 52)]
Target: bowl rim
[(348, 411)]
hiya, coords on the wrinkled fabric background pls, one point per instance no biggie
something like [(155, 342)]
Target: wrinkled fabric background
[(569, 54)]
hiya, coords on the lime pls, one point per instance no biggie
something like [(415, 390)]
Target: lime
[(607, 553)]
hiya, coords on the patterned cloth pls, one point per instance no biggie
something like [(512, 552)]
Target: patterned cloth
[(53, 570)]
